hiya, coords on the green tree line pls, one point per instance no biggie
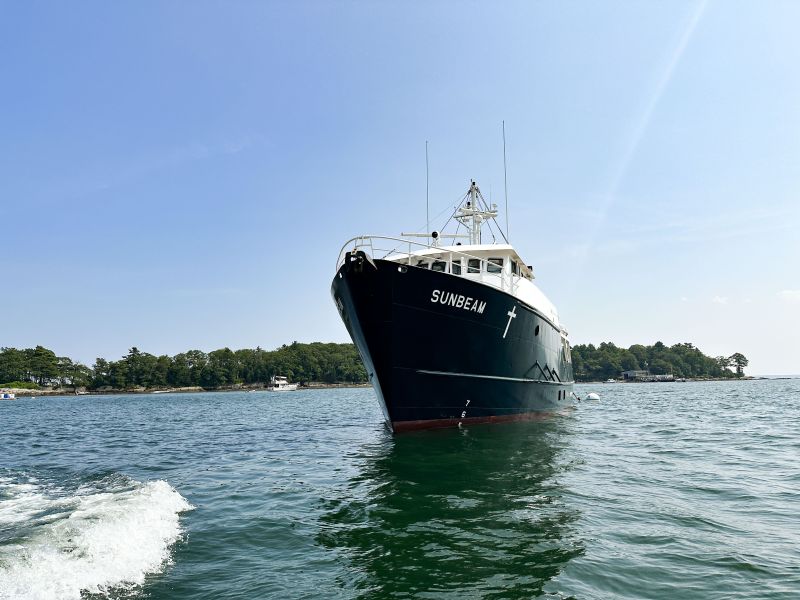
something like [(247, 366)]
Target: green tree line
[(329, 363), (607, 361)]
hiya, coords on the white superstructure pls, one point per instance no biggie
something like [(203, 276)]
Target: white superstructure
[(278, 383), (496, 264)]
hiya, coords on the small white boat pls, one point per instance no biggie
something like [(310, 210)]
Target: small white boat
[(611, 381), (278, 383), (7, 396)]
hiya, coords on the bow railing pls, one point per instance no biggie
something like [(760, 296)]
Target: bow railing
[(404, 251)]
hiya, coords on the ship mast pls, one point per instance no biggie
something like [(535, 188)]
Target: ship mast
[(471, 214)]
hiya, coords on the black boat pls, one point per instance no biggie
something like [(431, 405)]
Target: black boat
[(453, 334)]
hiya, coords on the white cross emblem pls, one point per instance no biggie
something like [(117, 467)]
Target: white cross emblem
[(512, 314)]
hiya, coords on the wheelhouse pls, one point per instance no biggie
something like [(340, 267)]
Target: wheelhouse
[(497, 264)]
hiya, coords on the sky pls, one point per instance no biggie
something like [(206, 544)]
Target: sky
[(179, 175)]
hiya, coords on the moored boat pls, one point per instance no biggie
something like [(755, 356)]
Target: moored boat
[(278, 383), (456, 333)]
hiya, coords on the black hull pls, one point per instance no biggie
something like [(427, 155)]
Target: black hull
[(441, 350)]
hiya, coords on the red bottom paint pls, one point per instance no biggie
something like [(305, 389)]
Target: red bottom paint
[(401, 426)]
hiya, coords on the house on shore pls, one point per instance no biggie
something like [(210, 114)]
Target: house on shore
[(639, 375)]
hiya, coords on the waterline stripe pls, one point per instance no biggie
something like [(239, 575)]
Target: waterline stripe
[(476, 376)]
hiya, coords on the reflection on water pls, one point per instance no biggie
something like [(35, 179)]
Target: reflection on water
[(476, 512)]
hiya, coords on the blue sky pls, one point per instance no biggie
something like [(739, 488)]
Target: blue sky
[(182, 175)]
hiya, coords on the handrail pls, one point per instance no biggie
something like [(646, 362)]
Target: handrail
[(366, 242), (340, 258)]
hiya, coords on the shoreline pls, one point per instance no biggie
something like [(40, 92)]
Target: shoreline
[(27, 393), (688, 380), (24, 392)]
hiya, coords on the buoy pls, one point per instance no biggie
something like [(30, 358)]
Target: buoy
[(592, 396)]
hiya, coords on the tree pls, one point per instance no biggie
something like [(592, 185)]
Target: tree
[(660, 367), (592, 363), (81, 375), (43, 365), (100, 373), (118, 374), (179, 373), (629, 362), (65, 368), (160, 371), (740, 362), (140, 367), (13, 365), (723, 362), (640, 352)]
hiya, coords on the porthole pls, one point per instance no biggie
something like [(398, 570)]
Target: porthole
[(536, 331), (402, 269)]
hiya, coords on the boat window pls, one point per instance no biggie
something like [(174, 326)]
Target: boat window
[(514, 267), (456, 266), (424, 265), (495, 265), (439, 265), (474, 265)]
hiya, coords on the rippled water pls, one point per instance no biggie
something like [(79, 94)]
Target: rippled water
[(656, 491)]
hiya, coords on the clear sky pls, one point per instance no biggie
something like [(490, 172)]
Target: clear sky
[(179, 175)]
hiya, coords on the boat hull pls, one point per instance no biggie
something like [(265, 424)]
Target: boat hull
[(442, 350)]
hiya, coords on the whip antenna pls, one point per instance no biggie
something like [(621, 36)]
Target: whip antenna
[(427, 203), (505, 178)]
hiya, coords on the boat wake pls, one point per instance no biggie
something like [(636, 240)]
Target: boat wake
[(102, 537)]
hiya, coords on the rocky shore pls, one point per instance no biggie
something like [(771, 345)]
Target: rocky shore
[(24, 392)]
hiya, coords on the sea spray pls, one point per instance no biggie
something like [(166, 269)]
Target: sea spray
[(95, 540)]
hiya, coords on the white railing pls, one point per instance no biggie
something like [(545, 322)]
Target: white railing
[(507, 280)]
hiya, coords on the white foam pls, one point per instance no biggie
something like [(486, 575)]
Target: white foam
[(103, 540), (26, 502)]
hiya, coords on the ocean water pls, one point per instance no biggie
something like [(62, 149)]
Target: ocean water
[(671, 490)]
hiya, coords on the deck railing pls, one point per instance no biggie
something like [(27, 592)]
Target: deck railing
[(504, 280)]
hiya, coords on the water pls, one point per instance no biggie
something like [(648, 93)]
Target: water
[(657, 491)]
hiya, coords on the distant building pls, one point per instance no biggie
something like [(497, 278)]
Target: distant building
[(626, 375), (645, 376)]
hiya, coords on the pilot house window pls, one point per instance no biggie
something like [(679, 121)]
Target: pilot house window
[(456, 267), (439, 265), (474, 265), (495, 265), (424, 265)]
